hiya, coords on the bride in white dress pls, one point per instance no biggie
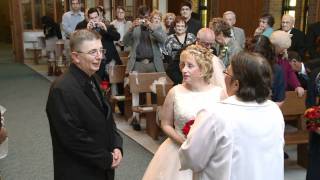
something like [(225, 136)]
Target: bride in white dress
[(182, 104)]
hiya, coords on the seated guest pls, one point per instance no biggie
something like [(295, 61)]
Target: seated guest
[(236, 33), (173, 44), (298, 37), (313, 40), (122, 26), (306, 73), (266, 23), (226, 46), (193, 25), (261, 44), (145, 56), (282, 41), (238, 146), (168, 23)]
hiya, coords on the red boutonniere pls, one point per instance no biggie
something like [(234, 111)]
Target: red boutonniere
[(187, 126), (312, 118), (104, 86)]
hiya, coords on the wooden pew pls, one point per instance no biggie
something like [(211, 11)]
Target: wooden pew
[(140, 83), (117, 75), (293, 109)]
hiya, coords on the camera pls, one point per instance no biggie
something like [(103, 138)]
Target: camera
[(142, 21), (95, 27)]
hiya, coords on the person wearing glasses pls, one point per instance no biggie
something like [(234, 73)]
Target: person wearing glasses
[(108, 34), (228, 141), (85, 141)]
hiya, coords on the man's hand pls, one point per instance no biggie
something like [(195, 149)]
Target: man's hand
[(117, 157), (299, 91)]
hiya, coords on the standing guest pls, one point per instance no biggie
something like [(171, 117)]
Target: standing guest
[(145, 56), (122, 26), (102, 15), (206, 38), (313, 40), (262, 45), (108, 34), (282, 41), (236, 33), (266, 23), (227, 47), (238, 146), (86, 144), (173, 44), (50, 28), (181, 105), (71, 18), (193, 25), (298, 37), (52, 33), (168, 23)]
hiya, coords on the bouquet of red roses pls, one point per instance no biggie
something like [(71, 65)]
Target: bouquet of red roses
[(187, 126), (104, 86), (312, 118)]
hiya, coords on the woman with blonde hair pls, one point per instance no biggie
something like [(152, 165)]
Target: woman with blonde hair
[(168, 20), (182, 104)]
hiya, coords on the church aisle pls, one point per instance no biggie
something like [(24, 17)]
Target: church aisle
[(24, 93)]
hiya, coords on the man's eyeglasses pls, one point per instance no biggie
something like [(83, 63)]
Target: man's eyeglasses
[(226, 73), (94, 52), (205, 44)]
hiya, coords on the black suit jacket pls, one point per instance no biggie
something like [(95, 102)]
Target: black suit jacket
[(297, 42), (312, 34), (82, 129)]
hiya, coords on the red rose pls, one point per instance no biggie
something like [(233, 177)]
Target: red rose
[(186, 128), (104, 85)]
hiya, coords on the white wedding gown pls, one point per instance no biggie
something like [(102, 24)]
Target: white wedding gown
[(165, 164)]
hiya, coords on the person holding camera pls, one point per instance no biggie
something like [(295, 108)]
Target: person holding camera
[(145, 40), (108, 34)]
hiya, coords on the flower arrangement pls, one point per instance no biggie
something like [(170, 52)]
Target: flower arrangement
[(312, 118), (104, 86), (187, 126)]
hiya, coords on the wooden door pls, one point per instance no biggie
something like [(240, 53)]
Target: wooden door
[(248, 12), (16, 30)]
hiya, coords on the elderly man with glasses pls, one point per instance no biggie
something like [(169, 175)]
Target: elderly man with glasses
[(85, 141), (297, 38)]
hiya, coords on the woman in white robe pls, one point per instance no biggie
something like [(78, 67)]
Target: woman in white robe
[(241, 137)]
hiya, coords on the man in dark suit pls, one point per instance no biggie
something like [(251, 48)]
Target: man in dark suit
[(193, 25), (298, 37), (306, 73), (313, 40), (86, 144)]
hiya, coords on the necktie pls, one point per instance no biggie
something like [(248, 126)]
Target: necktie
[(96, 92)]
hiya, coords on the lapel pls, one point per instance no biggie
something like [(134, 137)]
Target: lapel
[(84, 82)]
